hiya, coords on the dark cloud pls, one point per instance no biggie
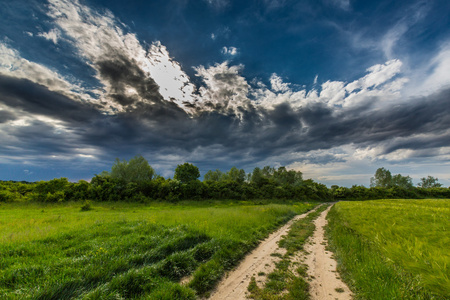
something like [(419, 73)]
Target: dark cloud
[(161, 127), (6, 116), (24, 95), (425, 115), (122, 73)]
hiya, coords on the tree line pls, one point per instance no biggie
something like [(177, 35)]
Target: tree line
[(136, 180)]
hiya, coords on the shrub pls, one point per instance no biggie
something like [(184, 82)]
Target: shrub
[(86, 206)]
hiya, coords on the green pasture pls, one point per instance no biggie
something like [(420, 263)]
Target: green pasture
[(393, 249), (128, 250)]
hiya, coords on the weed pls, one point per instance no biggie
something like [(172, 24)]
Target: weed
[(86, 206)]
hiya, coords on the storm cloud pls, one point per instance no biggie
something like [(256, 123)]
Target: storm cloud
[(143, 102)]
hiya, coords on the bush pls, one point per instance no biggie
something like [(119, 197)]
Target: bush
[(86, 206), (8, 196)]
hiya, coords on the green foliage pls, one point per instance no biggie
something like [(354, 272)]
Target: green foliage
[(258, 177), (51, 191), (136, 170), (233, 175), (135, 181), (236, 175), (8, 196), (429, 182), (106, 188), (402, 181), (215, 176), (186, 173), (86, 206), (280, 176), (285, 177), (79, 191), (382, 178), (392, 249), (14, 191)]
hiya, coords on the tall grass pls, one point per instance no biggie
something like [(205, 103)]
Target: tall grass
[(393, 249), (117, 250)]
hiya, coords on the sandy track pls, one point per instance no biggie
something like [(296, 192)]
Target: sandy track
[(325, 282), (234, 285)]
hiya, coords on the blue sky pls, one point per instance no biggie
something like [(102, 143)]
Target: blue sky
[(333, 88)]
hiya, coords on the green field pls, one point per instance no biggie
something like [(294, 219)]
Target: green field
[(393, 249), (128, 250)]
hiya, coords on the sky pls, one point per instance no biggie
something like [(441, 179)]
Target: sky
[(332, 88)]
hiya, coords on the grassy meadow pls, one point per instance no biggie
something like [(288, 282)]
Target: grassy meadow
[(393, 249), (128, 250)]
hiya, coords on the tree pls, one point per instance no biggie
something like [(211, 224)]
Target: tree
[(382, 178), (268, 171), (235, 174), (216, 175), (285, 177), (186, 173), (402, 181), (258, 177), (429, 182), (136, 170)]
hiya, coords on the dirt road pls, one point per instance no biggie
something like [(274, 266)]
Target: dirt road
[(234, 286), (325, 282)]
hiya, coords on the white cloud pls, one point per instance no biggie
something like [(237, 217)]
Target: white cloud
[(348, 165), (315, 79), (381, 151), (97, 36), (382, 83), (269, 98), (378, 75), (174, 83), (412, 15), (230, 51), (391, 38), (277, 84), (333, 93), (225, 87), (440, 75), (53, 35)]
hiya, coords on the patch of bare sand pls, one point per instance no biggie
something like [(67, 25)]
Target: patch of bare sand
[(234, 285), (325, 281)]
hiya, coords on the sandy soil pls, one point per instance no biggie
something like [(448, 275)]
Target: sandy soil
[(234, 285), (325, 282)]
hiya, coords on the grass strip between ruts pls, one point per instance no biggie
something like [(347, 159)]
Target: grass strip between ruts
[(288, 280)]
